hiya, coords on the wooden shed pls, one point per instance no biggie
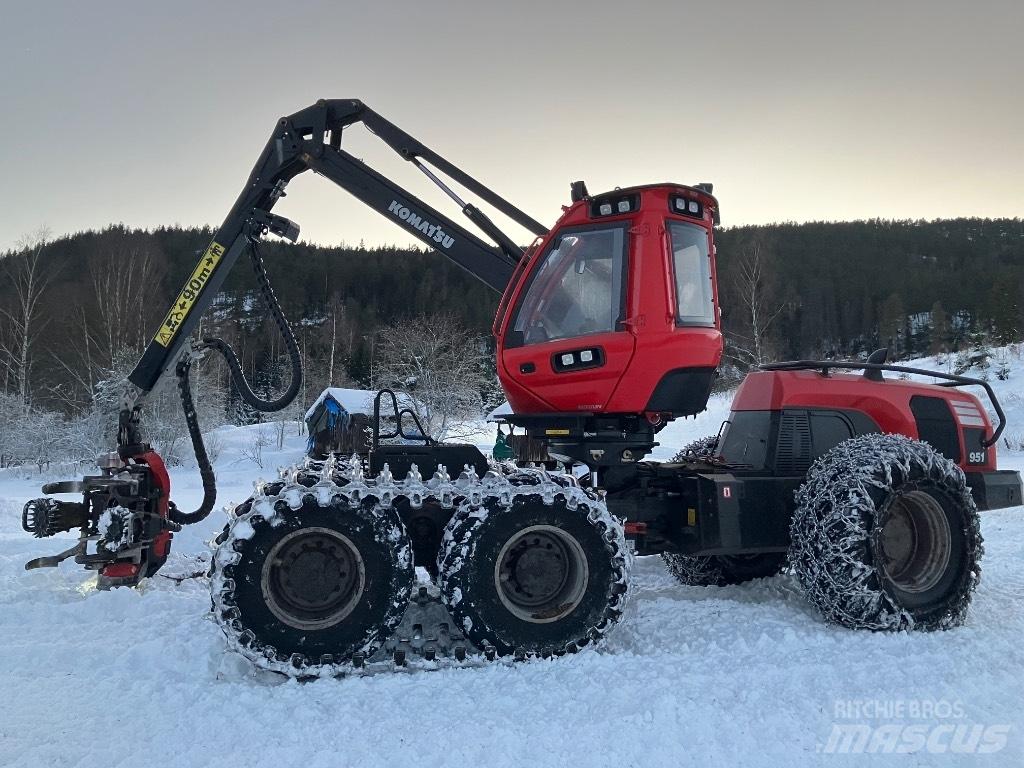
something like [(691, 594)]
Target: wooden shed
[(340, 421)]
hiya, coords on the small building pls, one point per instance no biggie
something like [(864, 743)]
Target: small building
[(341, 421)]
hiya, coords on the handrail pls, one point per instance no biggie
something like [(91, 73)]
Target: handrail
[(950, 380), (399, 415)]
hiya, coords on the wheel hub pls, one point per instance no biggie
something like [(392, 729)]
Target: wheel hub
[(313, 578), (915, 542), (541, 574)]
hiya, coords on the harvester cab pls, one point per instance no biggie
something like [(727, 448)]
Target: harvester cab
[(611, 327), (615, 311)]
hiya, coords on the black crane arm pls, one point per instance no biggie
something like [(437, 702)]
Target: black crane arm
[(311, 140), (308, 140)]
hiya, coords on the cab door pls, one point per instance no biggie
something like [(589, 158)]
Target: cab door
[(565, 345)]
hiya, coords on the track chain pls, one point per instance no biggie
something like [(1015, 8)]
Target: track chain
[(427, 637)]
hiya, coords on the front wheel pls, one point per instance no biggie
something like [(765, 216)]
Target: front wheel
[(886, 536)]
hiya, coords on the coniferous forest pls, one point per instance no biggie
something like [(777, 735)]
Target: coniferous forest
[(787, 291)]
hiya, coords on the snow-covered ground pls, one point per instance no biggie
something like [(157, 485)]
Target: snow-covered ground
[(745, 675)]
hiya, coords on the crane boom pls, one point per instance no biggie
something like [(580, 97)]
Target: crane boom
[(311, 140)]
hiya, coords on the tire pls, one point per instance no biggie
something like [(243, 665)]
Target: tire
[(722, 570), (273, 599), (504, 580), (703, 448), (886, 536), (717, 570)]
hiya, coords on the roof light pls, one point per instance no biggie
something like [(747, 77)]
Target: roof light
[(687, 206), (615, 204)]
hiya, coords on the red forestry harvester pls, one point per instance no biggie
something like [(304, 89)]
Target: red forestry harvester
[(607, 329)]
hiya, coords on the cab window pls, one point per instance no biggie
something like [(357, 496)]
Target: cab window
[(578, 288), (691, 265)]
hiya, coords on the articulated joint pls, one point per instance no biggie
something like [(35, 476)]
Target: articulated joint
[(264, 221), (129, 436)]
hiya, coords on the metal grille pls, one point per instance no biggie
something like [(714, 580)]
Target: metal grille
[(793, 451)]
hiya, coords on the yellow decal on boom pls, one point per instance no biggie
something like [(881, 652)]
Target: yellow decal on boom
[(195, 285)]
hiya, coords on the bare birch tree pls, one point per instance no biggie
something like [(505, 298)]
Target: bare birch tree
[(29, 275), (440, 364), (125, 278), (760, 305)]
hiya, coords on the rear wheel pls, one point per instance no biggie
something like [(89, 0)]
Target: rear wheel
[(886, 536), (717, 570), (534, 578), (704, 448), (315, 585), (721, 570)]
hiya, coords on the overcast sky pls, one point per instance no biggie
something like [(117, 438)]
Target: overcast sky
[(153, 113)]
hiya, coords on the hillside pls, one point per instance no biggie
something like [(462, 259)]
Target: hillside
[(943, 281)]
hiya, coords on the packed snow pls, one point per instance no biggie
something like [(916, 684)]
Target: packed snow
[(746, 675)]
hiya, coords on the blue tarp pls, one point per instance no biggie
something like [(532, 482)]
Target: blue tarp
[(329, 415)]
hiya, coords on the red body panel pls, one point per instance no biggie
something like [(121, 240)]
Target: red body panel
[(120, 570), (162, 542), (886, 402), (650, 343), (585, 390)]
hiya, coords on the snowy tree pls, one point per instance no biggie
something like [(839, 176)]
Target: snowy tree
[(977, 356), (491, 392), (256, 440), (981, 352), (13, 417), (440, 364), (1003, 365), (163, 423), (29, 275), (47, 439)]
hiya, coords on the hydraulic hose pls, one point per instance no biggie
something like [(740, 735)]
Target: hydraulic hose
[(242, 385), (202, 458), (237, 376)]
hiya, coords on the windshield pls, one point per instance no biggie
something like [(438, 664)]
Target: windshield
[(692, 266), (577, 289)]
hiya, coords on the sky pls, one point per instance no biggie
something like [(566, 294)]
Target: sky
[(152, 113)]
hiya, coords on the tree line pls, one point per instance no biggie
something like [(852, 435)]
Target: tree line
[(843, 289), (76, 311)]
